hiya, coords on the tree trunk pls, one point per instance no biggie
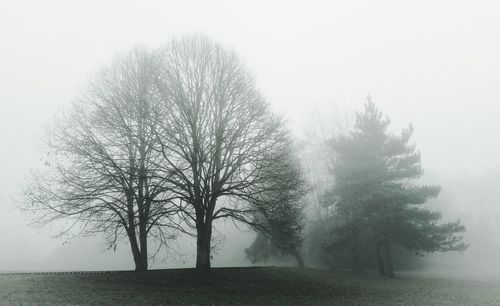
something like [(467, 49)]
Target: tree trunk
[(203, 240), (356, 259), (388, 259), (298, 258), (380, 260), (140, 264), (143, 239)]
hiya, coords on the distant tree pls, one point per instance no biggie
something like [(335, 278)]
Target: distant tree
[(283, 240), (105, 161), (280, 225), (218, 138), (375, 193), (263, 248)]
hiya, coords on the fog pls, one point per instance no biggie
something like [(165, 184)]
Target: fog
[(432, 63)]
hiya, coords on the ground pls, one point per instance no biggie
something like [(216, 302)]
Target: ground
[(239, 286)]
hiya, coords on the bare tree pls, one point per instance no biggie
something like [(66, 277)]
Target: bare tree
[(105, 165), (219, 139)]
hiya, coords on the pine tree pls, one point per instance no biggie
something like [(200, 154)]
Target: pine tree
[(377, 196)]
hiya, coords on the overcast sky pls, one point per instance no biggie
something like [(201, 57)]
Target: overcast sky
[(435, 64)]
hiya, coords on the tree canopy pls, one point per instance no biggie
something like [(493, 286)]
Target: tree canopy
[(165, 140), (105, 173), (219, 139)]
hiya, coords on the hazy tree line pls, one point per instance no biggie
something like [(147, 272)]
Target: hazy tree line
[(166, 141), (370, 212)]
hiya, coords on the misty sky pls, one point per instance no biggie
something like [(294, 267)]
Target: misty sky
[(435, 64)]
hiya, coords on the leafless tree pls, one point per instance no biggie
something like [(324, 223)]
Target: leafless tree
[(105, 171), (219, 138)]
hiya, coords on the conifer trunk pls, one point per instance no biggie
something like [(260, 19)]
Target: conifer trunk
[(356, 259), (380, 260), (388, 259), (298, 258)]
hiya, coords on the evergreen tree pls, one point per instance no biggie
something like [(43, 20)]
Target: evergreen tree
[(377, 197)]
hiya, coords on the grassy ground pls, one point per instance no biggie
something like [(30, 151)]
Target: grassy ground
[(237, 286)]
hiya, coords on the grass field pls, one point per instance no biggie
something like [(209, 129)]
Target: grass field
[(240, 286)]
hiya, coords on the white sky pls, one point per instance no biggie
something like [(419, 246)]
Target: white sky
[(433, 63)]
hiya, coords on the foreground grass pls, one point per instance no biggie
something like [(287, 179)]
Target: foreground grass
[(238, 286)]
